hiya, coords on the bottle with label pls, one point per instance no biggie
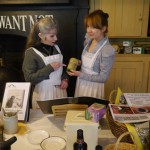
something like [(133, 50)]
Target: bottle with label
[(80, 144), (98, 147), (73, 63)]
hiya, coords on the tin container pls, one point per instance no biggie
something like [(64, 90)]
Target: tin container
[(76, 120), (73, 63), (138, 50)]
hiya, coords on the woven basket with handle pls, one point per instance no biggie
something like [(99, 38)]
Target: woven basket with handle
[(116, 127), (123, 145)]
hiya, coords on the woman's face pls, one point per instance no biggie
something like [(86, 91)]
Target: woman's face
[(50, 38), (94, 33)]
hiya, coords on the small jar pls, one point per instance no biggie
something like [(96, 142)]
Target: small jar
[(73, 63), (10, 124)]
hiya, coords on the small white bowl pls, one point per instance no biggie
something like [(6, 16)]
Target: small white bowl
[(53, 143)]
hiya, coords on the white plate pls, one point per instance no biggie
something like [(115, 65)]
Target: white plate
[(37, 136), (53, 143)]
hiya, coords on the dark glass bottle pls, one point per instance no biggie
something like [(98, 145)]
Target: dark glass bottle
[(98, 147), (80, 144)]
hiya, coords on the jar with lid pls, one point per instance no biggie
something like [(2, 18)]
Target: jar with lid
[(73, 63)]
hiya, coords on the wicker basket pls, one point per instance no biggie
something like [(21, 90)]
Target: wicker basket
[(116, 128), (122, 145)]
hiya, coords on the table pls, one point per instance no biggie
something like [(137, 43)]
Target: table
[(55, 127)]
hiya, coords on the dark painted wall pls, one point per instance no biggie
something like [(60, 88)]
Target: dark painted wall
[(70, 16)]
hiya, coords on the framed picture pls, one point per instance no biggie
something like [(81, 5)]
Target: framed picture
[(16, 98), (34, 1)]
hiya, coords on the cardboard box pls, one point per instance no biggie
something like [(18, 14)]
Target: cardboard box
[(76, 120), (95, 112)]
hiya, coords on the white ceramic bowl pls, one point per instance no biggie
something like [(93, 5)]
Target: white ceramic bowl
[(53, 143)]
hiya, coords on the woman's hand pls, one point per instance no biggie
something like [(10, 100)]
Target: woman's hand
[(56, 65), (74, 73), (79, 62), (64, 84)]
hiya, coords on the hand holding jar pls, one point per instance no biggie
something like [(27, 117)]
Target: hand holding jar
[(73, 63)]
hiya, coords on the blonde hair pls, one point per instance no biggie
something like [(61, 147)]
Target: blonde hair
[(43, 26)]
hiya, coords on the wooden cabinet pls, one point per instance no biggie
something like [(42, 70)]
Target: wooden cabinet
[(126, 17), (148, 87), (130, 72)]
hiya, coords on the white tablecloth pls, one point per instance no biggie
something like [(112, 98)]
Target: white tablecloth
[(55, 127)]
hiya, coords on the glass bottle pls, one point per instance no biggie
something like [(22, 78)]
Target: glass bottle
[(98, 147), (80, 144)]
